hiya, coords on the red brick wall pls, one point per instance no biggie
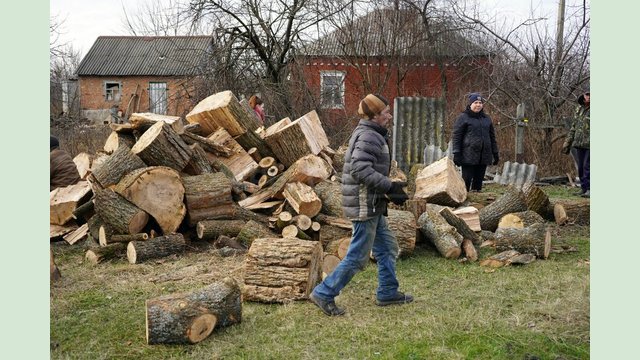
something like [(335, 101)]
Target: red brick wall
[(179, 92)]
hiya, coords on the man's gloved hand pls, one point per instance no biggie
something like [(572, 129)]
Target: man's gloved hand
[(496, 158), (396, 194), (396, 187), (566, 148), (457, 159)]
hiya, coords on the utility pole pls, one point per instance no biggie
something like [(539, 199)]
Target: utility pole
[(520, 124)]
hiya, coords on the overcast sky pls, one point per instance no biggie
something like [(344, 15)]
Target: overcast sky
[(84, 20)]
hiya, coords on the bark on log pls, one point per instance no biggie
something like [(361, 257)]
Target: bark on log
[(330, 233), (500, 259), (284, 219), (416, 206), (251, 231), (441, 183), (84, 212), (292, 231), (572, 212), (64, 201), (276, 127), (188, 318), (281, 269), (511, 201), (143, 121), (535, 239), (206, 194), (302, 198), (159, 247), (469, 250), (403, 225), (128, 238), (101, 254), (444, 236), (198, 164), (239, 162), (116, 166), (158, 190), (255, 155), (335, 221), (212, 229), (162, 146), (122, 216), (116, 139), (537, 200), (520, 220), (251, 139), (330, 194), (222, 110), (522, 259), (193, 128), (94, 224), (207, 144), (461, 226)]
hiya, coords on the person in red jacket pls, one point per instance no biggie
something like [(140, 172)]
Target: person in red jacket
[(257, 105)]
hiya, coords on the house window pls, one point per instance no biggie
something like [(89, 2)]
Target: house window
[(112, 90), (158, 98), (332, 89)]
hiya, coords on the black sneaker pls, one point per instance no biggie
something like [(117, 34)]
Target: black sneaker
[(399, 298), (328, 307)]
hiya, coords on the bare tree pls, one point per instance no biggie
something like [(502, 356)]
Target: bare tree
[(63, 62)]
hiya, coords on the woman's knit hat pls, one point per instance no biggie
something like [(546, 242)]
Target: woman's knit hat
[(473, 97), (372, 105), (53, 142)]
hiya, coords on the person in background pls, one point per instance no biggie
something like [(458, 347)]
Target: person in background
[(578, 138), (256, 104), (474, 143), (366, 189)]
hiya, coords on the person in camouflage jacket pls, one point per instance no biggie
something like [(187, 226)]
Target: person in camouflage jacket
[(578, 138)]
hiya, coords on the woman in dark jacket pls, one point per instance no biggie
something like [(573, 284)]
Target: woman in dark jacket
[(474, 143)]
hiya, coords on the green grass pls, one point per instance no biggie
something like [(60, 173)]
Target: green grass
[(461, 310)]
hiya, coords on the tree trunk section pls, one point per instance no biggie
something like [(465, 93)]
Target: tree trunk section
[(330, 194), (188, 318), (251, 231), (572, 212), (469, 215), (535, 239), (116, 166), (162, 146), (300, 138), (281, 269), (537, 199), (469, 250), (511, 201), (461, 226), (222, 110), (520, 220), (116, 139), (302, 198), (444, 236), (207, 145), (500, 259), (403, 225), (240, 163), (63, 201), (212, 229), (198, 164), (292, 231), (205, 194), (101, 254), (143, 121), (122, 216), (441, 183), (329, 263), (159, 247)]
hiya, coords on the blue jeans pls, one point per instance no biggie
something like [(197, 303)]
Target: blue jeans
[(372, 234)]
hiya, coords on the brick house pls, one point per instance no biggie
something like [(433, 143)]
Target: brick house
[(130, 74), (387, 51)]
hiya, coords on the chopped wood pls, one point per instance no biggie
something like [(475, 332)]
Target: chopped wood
[(535, 239), (63, 201), (225, 241), (395, 173), (303, 222), (469, 250), (158, 247), (339, 246), (520, 220), (77, 234), (84, 212), (120, 215), (222, 110), (272, 171), (207, 144), (416, 206), (60, 230), (537, 200), (267, 162), (461, 226), (207, 195), (330, 233), (265, 205), (302, 198), (121, 128), (212, 229), (239, 162), (83, 163), (160, 145), (276, 127), (334, 220), (143, 121), (98, 255), (117, 139), (513, 200), (292, 231), (572, 212), (315, 226), (281, 269), (499, 260), (190, 317), (116, 166), (444, 236), (441, 183), (255, 155), (403, 225), (249, 187), (522, 259), (193, 128), (469, 214), (300, 138), (198, 164), (127, 238)]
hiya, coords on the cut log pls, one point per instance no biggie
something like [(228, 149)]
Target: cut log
[(251, 139), (60, 230), (225, 241), (339, 247), (292, 231), (281, 269), (162, 146), (77, 234), (212, 229), (535, 239), (302, 198), (500, 259), (444, 236), (276, 127), (329, 263), (335, 221), (158, 190), (239, 162), (441, 183), (470, 215), (272, 171), (520, 220), (193, 128), (158, 247), (143, 121), (83, 163), (255, 155), (222, 110), (303, 222), (469, 250), (117, 139), (128, 238), (309, 170), (116, 166), (330, 194), (198, 164), (403, 225), (300, 138), (249, 187), (511, 201), (330, 233), (207, 145), (461, 227), (416, 206), (84, 212), (63, 201), (266, 162), (98, 255), (251, 231), (537, 200), (94, 224), (190, 317), (572, 212), (522, 259), (207, 194), (119, 214), (284, 219)]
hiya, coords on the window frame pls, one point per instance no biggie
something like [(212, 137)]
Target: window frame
[(325, 101), (109, 94)]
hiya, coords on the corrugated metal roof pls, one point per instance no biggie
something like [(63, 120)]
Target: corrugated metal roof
[(146, 56), (517, 174), (391, 32)]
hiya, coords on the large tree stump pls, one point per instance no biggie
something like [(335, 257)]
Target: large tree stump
[(188, 318), (403, 225), (64, 201), (253, 230), (158, 190), (330, 193), (535, 239), (520, 220), (461, 226), (537, 200), (158, 247), (162, 146), (302, 198), (572, 212), (116, 166), (212, 229), (441, 183), (122, 216), (281, 269), (511, 201), (444, 236), (222, 110), (206, 194)]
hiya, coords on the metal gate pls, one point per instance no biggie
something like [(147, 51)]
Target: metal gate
[(158, 98), (418, 122)]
